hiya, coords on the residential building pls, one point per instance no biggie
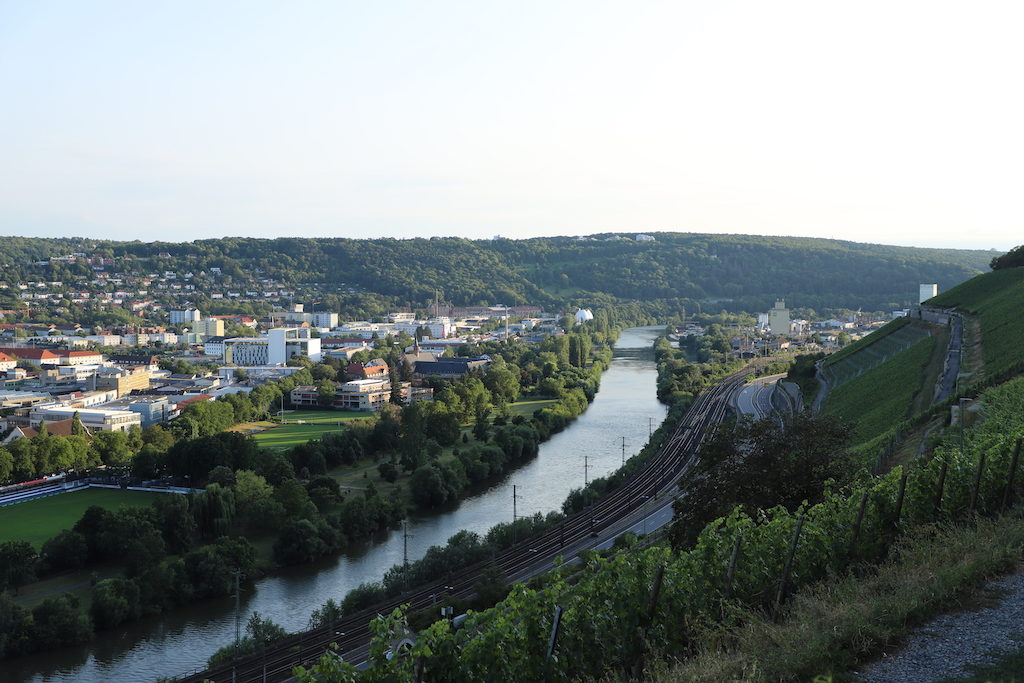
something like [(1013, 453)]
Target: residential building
[(7, 362), (372, 369), (209, 327), (130, 360), (189, 316)]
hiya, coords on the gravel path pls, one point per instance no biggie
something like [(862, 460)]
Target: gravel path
[(949, 644)]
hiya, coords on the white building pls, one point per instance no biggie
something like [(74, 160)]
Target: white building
[(7, 363), (93, 419), (185, 317), (778, 318), (280, 344), (583, 315), (926, 292)]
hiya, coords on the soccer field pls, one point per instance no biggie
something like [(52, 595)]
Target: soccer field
[(38, 520)]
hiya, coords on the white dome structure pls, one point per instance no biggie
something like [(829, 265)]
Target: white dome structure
[(583, 315)]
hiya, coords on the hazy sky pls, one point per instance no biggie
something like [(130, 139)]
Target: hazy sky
[(894, 122)]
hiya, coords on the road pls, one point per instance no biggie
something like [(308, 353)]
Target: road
[(643, 500), (755, 399)]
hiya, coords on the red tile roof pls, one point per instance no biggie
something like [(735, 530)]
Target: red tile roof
[(29, 353)]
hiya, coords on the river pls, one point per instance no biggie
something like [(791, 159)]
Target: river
[(176, 643)]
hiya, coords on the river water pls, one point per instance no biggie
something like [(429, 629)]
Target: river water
[(176, 643)]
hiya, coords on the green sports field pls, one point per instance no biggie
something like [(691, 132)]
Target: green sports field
[(302, 425), (37, 520)]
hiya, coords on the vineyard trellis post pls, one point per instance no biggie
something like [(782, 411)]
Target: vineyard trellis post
[(788, 567), (857, 524), (730, 575), (941, 486), (556, 625), (1008, 495), (899, 500), (977, 482), (648, 619)]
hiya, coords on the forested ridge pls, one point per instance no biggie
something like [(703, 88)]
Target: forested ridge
[(735, 272)]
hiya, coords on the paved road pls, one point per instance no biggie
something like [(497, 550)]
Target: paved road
[(755, 399)]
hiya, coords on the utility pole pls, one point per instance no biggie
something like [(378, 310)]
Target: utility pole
[(586, 471), (623, 451), (514, 515), (238, 622), (405, 543), (650, 427)]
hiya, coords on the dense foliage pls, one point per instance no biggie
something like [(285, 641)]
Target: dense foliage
[(1011, 259), (366, 277)]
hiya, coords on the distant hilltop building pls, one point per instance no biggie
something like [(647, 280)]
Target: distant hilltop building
[(583, 315), (927, 292), (778, 318), (644, 238)]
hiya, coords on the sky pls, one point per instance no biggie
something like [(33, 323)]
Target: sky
[(891, 121)]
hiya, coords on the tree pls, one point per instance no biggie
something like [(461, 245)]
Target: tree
[(260, 633), (428, 488), (115, 601), (325, 393), (111, 448), (15, 628), (6, 464), (17, 564), (1011, 259), (293, 496), (759, 465), (77, 428), (222, 475), (299, 543), (326, 615), (66, 550), (214, 510), (175, 522), (250, 490), (57, 621)]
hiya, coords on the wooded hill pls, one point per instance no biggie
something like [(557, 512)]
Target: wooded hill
[(733, 272)]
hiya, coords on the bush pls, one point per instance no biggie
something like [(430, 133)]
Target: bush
[(115, 601)]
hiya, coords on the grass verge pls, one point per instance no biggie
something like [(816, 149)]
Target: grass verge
[(836, 624)]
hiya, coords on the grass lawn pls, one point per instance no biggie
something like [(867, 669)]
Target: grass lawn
[(329, 417), (36, 521), (526, 408), (314, 424), (291, 435)]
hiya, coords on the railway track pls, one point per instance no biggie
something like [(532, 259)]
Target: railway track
[(352, 633)]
